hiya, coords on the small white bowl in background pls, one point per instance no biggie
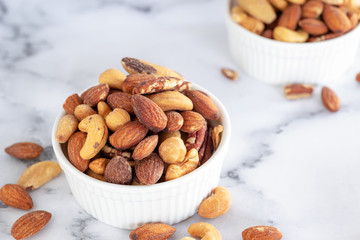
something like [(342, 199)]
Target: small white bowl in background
[(128, 206), (277, 62)]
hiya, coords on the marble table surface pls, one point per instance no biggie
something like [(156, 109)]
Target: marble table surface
[(291, 164)]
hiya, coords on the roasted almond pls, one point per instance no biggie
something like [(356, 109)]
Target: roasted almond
[(154, 231), (29, 224), (24, 150), (158, 84), (95, 94), (261, 232), (324, 37), (172, 100), (120, 100), (76, 142), (128, 135), (38, 174), (149, 113), (71, 102), (312, 9), (357, 78), (119, 171), (150, 169), (145, 147), (175, 121), (16, 196), (298, 91), (336, 20), (203, 104), (330, 99), (313, 26), (193, 121), (290, 17)]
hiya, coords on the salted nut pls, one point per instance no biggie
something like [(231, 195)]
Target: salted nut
[(172, 150), (215, 205), (205, 231), (190, 163), (97, 134), (67, 126)]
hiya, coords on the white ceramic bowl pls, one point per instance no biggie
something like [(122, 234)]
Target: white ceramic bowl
[(128, 206), (278, 62)]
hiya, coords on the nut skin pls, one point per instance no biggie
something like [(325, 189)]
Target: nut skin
[(298, 91), (290, 17), (120, 100), (330, 99), (76, 142), (117, 118), (71, 102), (158, 84), (205, 231), (150, 169), (133, 66), (175, 121), (153, 231), (313, 26), (193, 121), (95, 94), (172, 150), (118, 171), (67, 126), (145, 147), (114, 78), (24, 150), (134, 80), (97, 135), (215, 205), (98, 165), (230, 74), (16, 196), (312, 9), (172, 100), (83, 110), (29, 224), (261, 232), (38, 174), (149, 113), (128, 135), (336, 20), (203, 104), (191, 162)]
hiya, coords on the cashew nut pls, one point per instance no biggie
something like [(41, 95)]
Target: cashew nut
[(97, 134), (188, 238), (205, 231), (165, 135), (114, 78), (117, 118), (215, 205), (178, 170), (67, 126)]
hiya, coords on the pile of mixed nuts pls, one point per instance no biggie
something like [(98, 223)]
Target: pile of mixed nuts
[(150, 120), (297, 20)]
